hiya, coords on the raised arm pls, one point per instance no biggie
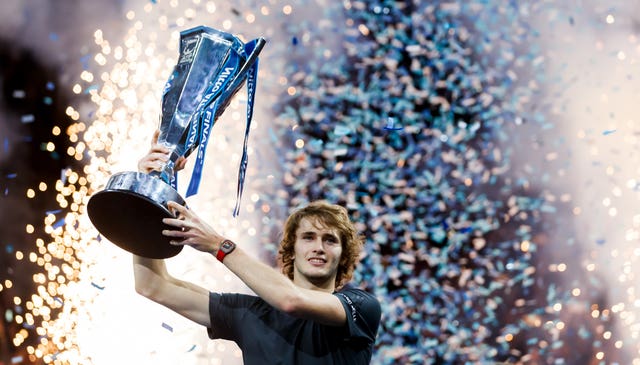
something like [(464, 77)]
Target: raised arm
[(151, 277), (265, 281), (154, 282)]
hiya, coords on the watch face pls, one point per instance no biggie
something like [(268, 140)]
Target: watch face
[(227, 246)]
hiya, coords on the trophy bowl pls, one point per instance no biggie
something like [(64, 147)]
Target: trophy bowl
[(129, 213)]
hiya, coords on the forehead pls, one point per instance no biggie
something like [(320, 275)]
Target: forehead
[(314, 224)]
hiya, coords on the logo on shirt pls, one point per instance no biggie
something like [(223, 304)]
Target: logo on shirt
[(353, 307)]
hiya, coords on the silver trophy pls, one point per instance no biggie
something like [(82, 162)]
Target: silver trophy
[(210, 70)]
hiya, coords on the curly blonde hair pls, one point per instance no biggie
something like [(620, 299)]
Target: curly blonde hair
[(330, 215)]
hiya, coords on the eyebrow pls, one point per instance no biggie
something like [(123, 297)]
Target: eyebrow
[(324, 234)]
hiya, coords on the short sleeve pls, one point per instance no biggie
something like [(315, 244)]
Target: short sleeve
[(226, 312), (218, 313), (363, 313)]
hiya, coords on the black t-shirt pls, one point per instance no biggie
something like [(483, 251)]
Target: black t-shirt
[(269, 336)]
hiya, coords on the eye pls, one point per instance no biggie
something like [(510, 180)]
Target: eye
[(331, 240)]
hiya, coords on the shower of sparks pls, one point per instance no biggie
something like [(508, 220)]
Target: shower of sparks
[(85, 304)]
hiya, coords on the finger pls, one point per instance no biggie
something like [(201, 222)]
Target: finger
[(158, 148), (177, 242), (178, 209), (157, 156), (181, 235), (148, 165), (156, 134), (177, 223), (180, 163)]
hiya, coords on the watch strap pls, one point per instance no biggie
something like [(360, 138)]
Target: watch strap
[(226, 247)]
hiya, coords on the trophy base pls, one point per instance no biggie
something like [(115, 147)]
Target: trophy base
[(129, 213)]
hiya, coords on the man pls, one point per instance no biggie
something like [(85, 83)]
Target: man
[(299, 318)]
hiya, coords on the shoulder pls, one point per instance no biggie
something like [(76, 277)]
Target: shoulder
[(358, 297), (362, 309)]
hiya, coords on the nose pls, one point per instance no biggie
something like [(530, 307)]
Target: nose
[(318, 245)]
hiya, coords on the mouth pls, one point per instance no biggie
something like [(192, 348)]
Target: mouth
[(317, 261)]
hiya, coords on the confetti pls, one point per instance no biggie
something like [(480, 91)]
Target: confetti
[(391, 126), (167, 327), (28, 118)]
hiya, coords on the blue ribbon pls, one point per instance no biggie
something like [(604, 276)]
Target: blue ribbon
[(207, 119), (213, 101), (252, 79)]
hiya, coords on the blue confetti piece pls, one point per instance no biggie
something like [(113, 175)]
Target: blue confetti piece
[(12, 175), (391, 125), (85, 61), (53, 211), (192, 348), (63, 176), (608, 132), (167, 327), (28, 118), (294, 41), (97, 286), (59, 223), (9, 248), (6, 145), (601, 241), (47, 100), (545, 208), (57, 299), (50, 86), (53, 36), (341, 130), (92, 87)]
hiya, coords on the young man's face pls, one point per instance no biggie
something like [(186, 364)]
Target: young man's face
[(317, 253)]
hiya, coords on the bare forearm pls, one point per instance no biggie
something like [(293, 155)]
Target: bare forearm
[(150, 273), (154, 265), (154, 282), (266, 282)]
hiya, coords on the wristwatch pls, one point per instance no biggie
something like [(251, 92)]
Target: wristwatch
[(226, 247)]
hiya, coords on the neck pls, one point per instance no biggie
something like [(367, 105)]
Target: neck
[(327, 286)]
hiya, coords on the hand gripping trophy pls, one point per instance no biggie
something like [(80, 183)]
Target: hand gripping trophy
[(210, 70)]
